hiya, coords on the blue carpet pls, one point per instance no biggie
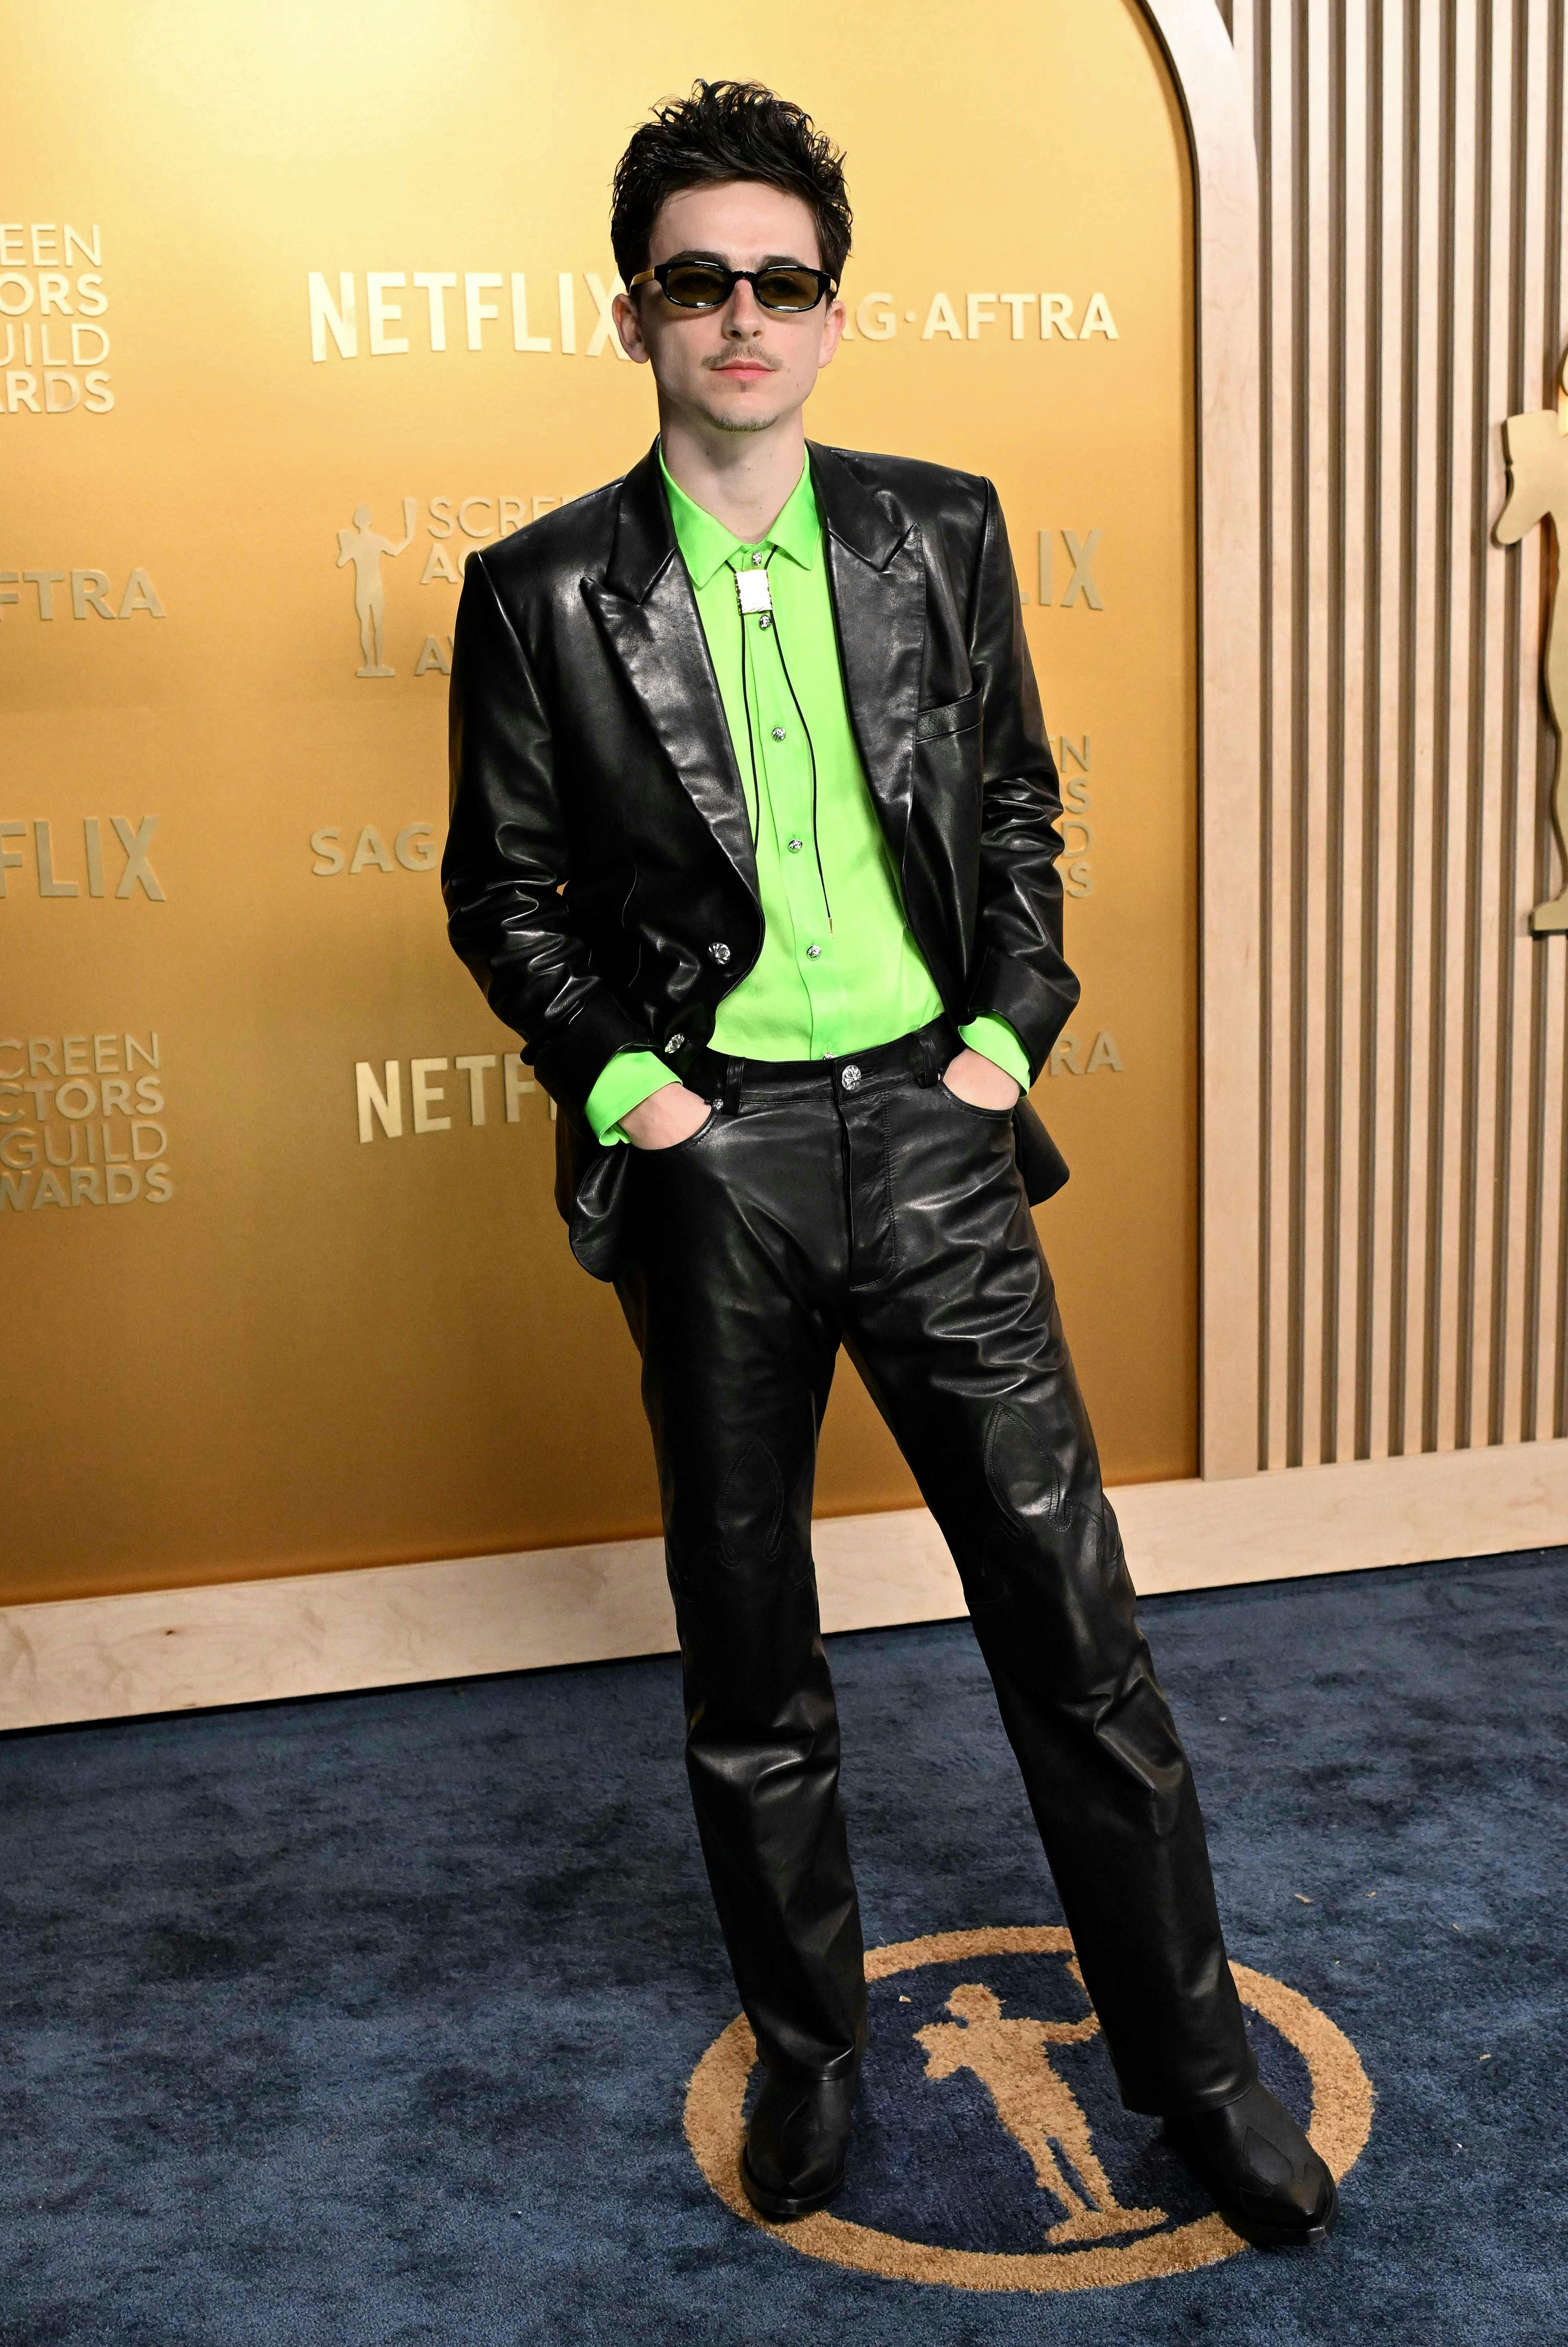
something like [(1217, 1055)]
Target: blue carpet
[(369, 2020)]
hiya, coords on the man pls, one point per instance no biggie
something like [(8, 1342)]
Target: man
[(753, 842)]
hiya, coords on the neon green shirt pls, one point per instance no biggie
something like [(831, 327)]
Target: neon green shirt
[(839, 969)]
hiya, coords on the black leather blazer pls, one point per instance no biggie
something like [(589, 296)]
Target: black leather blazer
[(599, 873)]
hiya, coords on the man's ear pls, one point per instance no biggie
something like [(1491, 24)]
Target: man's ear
[(833, 327), (629, 327)]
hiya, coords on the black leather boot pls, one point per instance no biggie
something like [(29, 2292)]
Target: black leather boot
[(796, 2144), (1260, 2168)]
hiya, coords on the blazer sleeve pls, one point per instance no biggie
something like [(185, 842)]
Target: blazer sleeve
[(1021, 974), (508, 858)]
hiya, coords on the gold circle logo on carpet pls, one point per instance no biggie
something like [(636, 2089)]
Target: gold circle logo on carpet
[(1097, 2241)]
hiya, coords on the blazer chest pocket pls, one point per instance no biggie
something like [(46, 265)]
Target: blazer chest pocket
[(954, 717)]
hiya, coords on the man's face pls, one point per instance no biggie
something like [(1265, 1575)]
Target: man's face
[(739, 368)]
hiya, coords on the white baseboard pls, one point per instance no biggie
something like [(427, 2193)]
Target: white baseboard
[(391, 1626)]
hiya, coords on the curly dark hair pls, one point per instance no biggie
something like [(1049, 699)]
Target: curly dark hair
[(727, 130)]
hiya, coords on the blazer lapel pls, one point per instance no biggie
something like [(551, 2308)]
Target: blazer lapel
[(650, 623), (877, 572)]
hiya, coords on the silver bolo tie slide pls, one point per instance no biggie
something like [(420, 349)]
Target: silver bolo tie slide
[(755, 594)]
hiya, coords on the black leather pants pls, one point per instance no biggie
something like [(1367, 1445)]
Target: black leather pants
[(860, 1202)]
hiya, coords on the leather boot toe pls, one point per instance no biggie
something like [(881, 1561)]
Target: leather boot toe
[(796, 2145), (1260, 2168)]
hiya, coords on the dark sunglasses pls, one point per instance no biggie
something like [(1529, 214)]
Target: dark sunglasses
[(784, 286)]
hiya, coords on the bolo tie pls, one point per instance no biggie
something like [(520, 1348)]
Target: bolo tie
[(754, 596)]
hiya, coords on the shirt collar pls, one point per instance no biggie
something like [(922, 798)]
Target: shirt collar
[(706, 545)]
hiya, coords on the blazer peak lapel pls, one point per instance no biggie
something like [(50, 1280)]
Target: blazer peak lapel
[(877, 572), (649, 618)]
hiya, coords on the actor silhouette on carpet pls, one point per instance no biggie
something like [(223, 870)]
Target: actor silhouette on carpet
[(1038, 2109), (753, 842)]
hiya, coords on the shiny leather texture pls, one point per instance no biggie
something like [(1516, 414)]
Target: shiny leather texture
[(797, 2144), (852, 1203), (1262, 2169), (598, 873)]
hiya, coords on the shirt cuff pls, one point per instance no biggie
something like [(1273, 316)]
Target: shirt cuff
[(629, 1078), (994, 1039)]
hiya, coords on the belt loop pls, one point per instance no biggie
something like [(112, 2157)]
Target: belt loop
[(734, 1070), (926, 1074)]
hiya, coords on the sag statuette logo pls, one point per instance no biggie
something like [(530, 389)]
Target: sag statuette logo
[(991, 2150), (453, 526)]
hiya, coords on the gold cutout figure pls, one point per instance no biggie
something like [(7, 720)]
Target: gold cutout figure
[(1537, 447), (1037, 2108), (364, 547)]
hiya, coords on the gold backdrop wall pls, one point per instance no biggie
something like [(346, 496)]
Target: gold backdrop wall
[(283, 1284)]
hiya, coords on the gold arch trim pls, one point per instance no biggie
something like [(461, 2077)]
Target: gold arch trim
[(1340, 2120)]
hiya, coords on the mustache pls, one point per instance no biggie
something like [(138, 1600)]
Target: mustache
[(747, 358)]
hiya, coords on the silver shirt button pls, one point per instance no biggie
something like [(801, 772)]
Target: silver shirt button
[(759, 560), (720, 952), (765, 620), (794, 845), (849, 1077), (673, 1045), (814, 953)]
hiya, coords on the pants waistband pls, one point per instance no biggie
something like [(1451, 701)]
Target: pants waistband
[(921, 1054)]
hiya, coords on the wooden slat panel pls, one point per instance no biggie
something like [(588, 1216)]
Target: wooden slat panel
[(1415, 282), (1424, 356), (1483, 1198), (1317, 439), (1276, 144), (1447, 1335), (1513, 1369), (1384, 1029), (1344, 1207)]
